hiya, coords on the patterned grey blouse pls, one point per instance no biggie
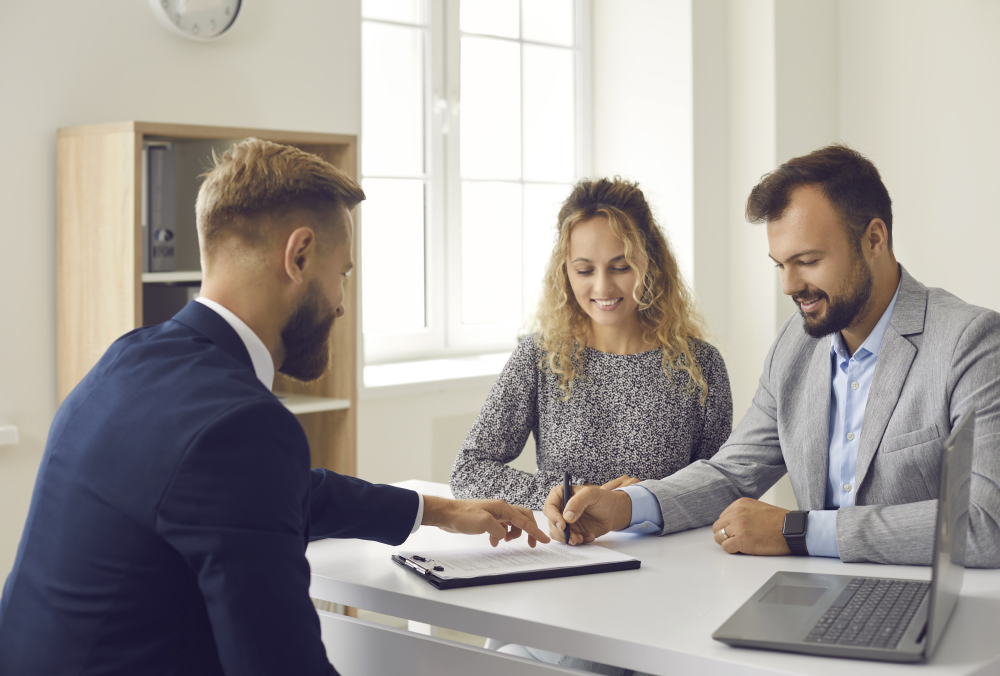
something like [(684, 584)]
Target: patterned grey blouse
[(625, 417)]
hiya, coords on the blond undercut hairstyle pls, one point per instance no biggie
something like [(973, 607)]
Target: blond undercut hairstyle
[(666, 309), (256, 179)]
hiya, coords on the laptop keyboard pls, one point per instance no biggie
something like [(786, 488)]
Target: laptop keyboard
[(870, 612)]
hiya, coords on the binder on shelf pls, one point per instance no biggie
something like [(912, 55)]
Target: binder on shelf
[(144, 168), (161, 198), (511, 562)]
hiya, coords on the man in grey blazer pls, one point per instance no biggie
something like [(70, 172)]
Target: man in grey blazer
[(858, 391)]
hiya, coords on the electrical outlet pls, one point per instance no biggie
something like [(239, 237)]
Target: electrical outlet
[(8, 435)]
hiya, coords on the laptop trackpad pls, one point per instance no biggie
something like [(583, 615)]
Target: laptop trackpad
[(793, 595)]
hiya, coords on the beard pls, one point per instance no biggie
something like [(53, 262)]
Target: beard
[(851, 305), (306, 337)]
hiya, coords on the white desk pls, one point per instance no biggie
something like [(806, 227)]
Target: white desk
[(657, 619)]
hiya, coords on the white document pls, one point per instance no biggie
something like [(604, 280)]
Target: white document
[(510, 558)]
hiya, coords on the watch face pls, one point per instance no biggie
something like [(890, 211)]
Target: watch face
[(202, 19), (795, 523)]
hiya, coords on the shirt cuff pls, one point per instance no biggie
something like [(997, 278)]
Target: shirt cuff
[(420, 514), (821, 533), (646, 514)]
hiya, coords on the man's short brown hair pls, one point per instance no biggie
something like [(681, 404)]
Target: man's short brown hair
[(258, 178), (848, 179)]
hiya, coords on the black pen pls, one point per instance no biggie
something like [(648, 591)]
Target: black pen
[(567, 492)]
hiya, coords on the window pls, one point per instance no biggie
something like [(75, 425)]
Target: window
[(474, 127)]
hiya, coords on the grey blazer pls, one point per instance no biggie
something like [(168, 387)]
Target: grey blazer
[(940, 357)]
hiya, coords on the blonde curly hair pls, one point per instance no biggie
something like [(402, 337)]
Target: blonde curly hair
[(666, 309)]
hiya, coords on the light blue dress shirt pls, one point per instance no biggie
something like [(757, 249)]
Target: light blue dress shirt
[(851, 379)]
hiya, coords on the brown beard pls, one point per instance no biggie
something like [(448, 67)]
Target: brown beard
[(306, 337), (853, 302)]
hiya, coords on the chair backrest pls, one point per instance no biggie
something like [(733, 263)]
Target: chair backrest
[(359, 648)]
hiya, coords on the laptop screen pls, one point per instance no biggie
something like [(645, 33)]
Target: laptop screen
[(952, 528)]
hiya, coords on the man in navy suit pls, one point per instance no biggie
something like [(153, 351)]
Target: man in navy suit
[(173, 505)]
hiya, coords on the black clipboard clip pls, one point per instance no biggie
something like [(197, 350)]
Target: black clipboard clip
[(426, 568)]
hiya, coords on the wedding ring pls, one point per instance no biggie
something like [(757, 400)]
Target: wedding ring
[(725, 535)]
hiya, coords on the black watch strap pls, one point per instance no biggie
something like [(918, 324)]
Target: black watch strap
[(794, 530)]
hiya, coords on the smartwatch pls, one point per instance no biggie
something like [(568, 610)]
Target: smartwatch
[(794, 530)]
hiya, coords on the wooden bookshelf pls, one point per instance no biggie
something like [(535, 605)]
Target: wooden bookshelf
[(101, 286)]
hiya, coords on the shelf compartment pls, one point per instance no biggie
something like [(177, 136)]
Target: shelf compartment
[(101, 292), (301, 403)]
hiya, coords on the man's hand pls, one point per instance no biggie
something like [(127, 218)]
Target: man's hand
[(752, 527), (591, 512), (620, 482), (471, 517)]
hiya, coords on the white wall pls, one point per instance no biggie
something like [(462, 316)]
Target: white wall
[(710, 95), (642, 108), (752, 139), (288, 65), (417, 435), (919, 94), (782, 78), (697, 100)]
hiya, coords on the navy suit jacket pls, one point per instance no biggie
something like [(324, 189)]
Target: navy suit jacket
[(170, 517)]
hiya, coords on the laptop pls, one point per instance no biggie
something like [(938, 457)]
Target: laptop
[(869, 617)]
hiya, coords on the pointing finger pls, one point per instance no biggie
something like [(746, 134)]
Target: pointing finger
[(523, 519)]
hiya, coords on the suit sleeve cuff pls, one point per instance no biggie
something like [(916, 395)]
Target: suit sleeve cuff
[(821, 533), (646, 515), (420, 514)]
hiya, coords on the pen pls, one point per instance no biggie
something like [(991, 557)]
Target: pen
[(567, 492)]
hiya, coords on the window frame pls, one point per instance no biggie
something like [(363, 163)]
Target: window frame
[(444, 334), (402, 344)]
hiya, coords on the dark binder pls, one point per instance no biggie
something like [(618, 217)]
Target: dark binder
[(429, 576), (161, 227)]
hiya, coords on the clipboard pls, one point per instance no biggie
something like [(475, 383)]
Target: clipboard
[(424, 567)]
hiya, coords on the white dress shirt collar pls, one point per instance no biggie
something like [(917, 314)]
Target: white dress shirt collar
[(263, 365)]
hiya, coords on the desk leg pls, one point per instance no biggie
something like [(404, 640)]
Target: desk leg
[(421, 628)]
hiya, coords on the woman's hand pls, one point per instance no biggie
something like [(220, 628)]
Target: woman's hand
[(620, 482)]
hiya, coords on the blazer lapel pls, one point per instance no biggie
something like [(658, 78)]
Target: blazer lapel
[(817, 435), (895, 356), (894, 359)]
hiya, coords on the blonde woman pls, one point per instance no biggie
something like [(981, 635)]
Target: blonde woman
[(617, 380)]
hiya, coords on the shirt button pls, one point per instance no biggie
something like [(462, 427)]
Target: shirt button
[(850, 436), (847, 487), (854, 386)]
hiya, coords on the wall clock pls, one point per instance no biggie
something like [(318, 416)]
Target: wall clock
[(200, 20)]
